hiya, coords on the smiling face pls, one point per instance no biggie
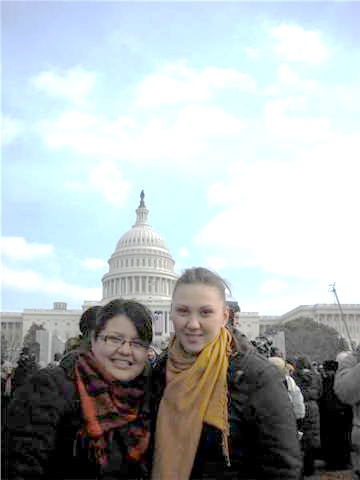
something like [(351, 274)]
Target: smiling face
[(237, 319), (198, 312), (121, 362)]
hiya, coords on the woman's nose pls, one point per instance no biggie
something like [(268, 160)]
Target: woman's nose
[(193, 322), (125, 348)]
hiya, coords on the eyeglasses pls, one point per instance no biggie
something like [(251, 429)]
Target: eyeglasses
[(117, 341)]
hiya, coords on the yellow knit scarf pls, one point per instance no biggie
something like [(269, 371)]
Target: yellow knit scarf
[(196, 392)]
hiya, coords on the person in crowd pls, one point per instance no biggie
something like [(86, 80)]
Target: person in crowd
[(263, 345), (152, 355), (90, 419), (56, 361), (335, 422), (220, 412), (26, 366), (276, 352), (347, 388), (233, 319), (295, 395), (290, 364), (234, 325), (6, 380), (311, 388), (6, 377)]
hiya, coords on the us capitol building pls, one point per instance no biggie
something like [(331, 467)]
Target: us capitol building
[(142, 268)]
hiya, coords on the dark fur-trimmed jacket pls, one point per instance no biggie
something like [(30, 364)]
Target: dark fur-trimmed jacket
[(263, 438), (44, 420)]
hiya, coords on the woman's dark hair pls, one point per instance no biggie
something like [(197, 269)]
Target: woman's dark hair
[(87, 322), (204, 276), (140, 316)]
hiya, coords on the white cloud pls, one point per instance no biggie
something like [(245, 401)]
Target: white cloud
[(295, 44), (20, 249), (11, 129), (273, 286), (75, 84), (284, 118), (72, 128), (286, 75), (160, 140), (196, 121), (107, 179), (217, 263), (291, 218), (94, 263), (176, 83), (183, 252), (31, 281)]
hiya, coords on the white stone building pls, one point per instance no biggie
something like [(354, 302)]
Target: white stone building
[(248, 323), (59, 323), (142, 268), (329, 315)]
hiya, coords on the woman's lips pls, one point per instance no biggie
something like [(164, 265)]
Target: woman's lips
[(193, 338), (120, 363)]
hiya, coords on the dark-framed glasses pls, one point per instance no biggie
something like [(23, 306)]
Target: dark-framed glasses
[(116, 341)]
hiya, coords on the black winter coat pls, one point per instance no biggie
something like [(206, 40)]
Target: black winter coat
[(43, 422), (263, 432), (310, 384)]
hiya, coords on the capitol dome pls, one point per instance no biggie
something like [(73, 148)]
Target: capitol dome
[(140, 234), (142, 268)]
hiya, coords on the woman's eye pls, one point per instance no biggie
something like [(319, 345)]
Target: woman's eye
[(204, 313), (181, 310)]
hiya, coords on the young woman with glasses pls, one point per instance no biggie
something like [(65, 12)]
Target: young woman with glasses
[(88, 419)]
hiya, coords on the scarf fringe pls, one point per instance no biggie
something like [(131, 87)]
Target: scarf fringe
[(225, 448)]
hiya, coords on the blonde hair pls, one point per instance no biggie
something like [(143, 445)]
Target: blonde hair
[(204, 276)]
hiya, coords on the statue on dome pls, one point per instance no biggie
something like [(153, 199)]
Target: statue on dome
[(142, 196)]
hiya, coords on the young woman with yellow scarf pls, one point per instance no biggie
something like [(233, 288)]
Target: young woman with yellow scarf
[(220, 412)]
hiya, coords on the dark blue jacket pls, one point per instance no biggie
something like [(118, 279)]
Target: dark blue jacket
[(263, 438)]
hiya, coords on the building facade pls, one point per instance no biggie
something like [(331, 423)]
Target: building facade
[(58, 325), (248, 323), (347, 324)]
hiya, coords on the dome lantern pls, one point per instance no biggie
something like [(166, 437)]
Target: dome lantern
[(141, 212)]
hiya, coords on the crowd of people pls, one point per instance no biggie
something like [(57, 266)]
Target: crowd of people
[(212, 405)]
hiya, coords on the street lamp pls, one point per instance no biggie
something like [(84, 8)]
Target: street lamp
[(333, 290)]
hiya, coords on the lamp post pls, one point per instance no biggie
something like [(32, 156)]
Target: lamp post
[(333, 290)]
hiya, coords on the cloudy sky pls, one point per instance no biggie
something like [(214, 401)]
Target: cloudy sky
[(240, 120)]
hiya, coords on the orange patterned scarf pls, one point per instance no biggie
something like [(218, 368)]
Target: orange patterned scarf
[(196, 393), (108, 405)]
